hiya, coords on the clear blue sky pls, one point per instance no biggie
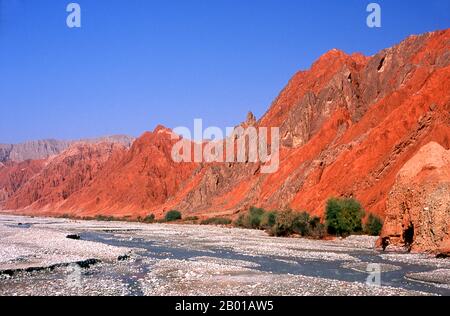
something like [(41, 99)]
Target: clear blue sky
[(138, 63)]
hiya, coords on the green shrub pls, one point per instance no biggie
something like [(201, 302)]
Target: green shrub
[(149, 219), (344, 216), (373, 226), (284, 224), (216, 221), (288, 222), (172, 216), (268, 220), (254, 217), (300, 224)]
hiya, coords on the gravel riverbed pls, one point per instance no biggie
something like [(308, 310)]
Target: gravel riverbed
[(117, 258)]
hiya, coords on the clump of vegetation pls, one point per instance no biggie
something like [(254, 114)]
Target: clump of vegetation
[(240, 221), (268, 220), (344, 216), (172, 216), (284, 223), (104, 218), (216, 221), (191, 219), (149, 219), (317, 230), (252, 219), (373, 226), (289, 222)]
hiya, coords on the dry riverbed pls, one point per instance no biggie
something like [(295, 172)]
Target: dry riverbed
[(114, 258)]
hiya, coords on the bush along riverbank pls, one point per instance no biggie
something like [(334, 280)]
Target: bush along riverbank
[(343, 217)]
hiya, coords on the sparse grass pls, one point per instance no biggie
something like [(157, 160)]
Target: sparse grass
[(239, 222), (191, 219), (149, 219), (104, 218), (216, 221)]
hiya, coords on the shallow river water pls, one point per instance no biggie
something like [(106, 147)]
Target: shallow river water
[(36, 258)]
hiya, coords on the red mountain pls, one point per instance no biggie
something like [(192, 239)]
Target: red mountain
[(348, 125), (14, 175), (74, 169)]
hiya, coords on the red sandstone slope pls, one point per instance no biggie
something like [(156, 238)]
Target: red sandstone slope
[(14, 175), (348, 125), (63, 175), (143, 178), (346, 133)]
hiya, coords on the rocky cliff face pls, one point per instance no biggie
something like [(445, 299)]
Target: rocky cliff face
[(418, 207), (348, 126)]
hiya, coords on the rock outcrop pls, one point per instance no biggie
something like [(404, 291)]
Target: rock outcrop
[(418, 207)]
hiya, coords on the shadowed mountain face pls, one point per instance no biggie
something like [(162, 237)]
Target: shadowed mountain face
[(348, 125)]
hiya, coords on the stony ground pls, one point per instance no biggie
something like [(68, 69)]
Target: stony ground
[(139, 259)]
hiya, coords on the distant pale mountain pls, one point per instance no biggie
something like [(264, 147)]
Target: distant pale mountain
[(42, 149)]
